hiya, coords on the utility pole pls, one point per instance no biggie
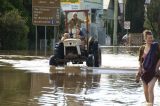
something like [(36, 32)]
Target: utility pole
[(115, 22)]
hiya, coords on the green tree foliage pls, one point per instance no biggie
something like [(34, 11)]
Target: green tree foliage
[(153, 17), (17, 4), (13, 30), (135, 14), (5, 6), (62, 23), (24, 8)]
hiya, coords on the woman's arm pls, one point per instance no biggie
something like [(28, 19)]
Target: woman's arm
[(158, 63), (139, 72), (158, 68), (141, 50)]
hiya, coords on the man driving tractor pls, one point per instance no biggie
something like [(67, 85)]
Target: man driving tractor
[(74, 21), (77, 48)]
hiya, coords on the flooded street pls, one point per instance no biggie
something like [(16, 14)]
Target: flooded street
[(29, 81)]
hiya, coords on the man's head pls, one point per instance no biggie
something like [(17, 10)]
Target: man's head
[(74, 15), (66, 35)]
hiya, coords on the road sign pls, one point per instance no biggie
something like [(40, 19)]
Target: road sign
[(45, 16), (46, 12), (127, 24), (46, 3), (70, 1)]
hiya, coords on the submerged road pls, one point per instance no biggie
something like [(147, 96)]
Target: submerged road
[(41, 64), (29, 80)]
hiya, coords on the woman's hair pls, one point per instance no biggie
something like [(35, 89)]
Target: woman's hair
[(146, 32)]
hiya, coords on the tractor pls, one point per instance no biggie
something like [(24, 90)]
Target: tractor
[(71, 50)]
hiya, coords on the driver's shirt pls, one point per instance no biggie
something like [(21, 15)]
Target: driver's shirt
[(74, 22)]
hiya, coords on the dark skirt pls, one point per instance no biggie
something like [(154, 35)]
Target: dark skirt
[(148, 76)]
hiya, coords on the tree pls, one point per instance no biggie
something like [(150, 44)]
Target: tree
[(152, 20), (13, 31), (135, 14), (5, 6)]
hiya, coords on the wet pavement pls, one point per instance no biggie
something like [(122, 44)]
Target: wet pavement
[(29, 81)]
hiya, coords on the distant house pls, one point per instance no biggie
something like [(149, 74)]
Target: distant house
[(108, 13), (108, 7)]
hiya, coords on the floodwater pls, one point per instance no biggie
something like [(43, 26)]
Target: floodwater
[(29, 81)]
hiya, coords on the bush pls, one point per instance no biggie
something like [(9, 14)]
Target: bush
[(13, 31)]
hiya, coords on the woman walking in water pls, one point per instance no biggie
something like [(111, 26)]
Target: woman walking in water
[(149, 61)]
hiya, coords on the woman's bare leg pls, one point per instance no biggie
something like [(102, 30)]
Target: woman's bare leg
[(145, 88), (151, 85)]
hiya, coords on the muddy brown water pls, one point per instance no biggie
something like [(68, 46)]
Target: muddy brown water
[(31, 82)]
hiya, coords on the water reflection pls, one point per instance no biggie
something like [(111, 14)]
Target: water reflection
[(14, 88), (73, 86)]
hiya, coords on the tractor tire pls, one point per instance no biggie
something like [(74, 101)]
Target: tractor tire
[(94, 49), (90, 60), (59, 51), (52, 61), (97, 56)]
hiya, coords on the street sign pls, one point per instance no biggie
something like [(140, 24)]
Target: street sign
[(46, 3), (127, 24), (70, 1), (46, 12), (45, 16)]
